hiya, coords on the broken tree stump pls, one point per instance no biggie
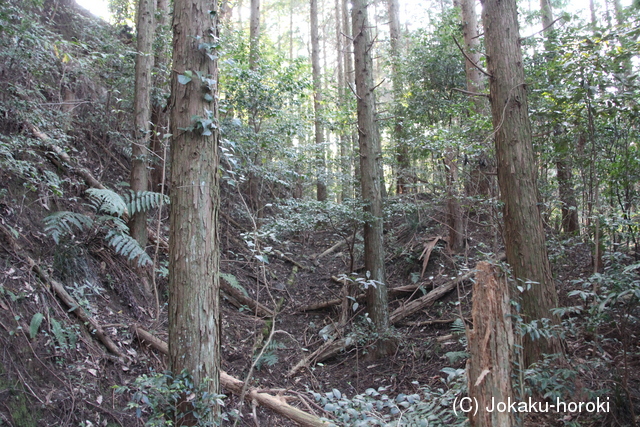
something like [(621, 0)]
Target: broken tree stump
[(491, 344)]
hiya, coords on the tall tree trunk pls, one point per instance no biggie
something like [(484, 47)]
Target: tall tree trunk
[(345, 167), (370, 156), (159, 118), (479, 182), (145, 24), (194, 315), (471, 35), (321, 186), (523, 231), (254, 34), (403, 162), (255, 181), (349, 75), (290, 30), (594, 19), (454, 211), (564, 163)]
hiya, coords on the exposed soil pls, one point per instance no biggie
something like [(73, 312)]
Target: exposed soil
[(60, 375)]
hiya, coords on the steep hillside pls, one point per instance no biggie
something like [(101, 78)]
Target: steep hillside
[(82, 332)]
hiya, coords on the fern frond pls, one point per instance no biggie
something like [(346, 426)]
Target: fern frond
[(114, 222), (142, 201), (107, 201), (63, 222), (233, 281), (127, 246)]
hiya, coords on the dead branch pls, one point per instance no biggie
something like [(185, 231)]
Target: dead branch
[(466, 92), (316, 258), (258, 308), (326, 351), (469, 59), (426, 253), (431, 322), (61, 292), (393, 292), (333, 347), (73, 305), (276, 403)]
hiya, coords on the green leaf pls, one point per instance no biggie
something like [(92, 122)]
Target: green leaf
[(185, 78), (36, 320)]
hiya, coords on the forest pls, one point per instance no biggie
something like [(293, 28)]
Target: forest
[(320, 213)]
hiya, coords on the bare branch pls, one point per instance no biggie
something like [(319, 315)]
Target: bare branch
[(470, 60)]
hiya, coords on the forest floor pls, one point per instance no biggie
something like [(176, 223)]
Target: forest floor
[(62, 376), (54, 372)]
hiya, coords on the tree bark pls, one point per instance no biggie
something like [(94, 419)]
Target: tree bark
[(194, 283), (344, 140), (454, 211), (159, 122), (145, 24), (479, 182), (523, 229), (254, 34), (321, 185), (349, 75), (370, 156)]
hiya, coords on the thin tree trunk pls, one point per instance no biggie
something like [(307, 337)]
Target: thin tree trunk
[(479, 182), (255, 181), (564, 162), (523, 228), (145, 24), (159, 118), (349, 75), (321, 186), (403, 162), (454, 212), (345, 168), (254, 34), (194, 314), (592, 9), (370, 154)]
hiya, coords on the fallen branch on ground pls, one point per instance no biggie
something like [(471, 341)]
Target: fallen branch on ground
[(255, 306), (414, 306), (61, 292), (393, 292), (235, 386), (431, 322), (333, 347)]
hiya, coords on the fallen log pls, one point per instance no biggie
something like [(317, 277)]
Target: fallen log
[(414, 306), (255, 306), (327, 351), (393, 292), (235, 386)]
